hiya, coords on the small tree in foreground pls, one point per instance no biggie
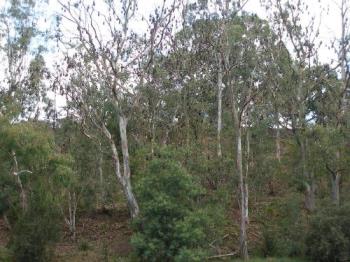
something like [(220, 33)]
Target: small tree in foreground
[(169, 227)]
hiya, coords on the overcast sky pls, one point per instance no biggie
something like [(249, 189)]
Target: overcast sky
[(326, 10), (329, 14)]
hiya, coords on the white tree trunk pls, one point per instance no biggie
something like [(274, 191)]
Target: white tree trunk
[(243, 186), (310, 186), (219, 124), (124, 179), (336, 188), (16, 173), (72, 210), (278, 139), (246, 192), (126, 183), (244, 198), (310, 196)]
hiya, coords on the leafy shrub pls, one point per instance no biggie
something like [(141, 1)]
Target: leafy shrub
[(37, 228), (284, 227), (328, 238), (169, 228)]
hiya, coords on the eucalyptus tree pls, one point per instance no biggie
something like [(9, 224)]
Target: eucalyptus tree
[(342, 48), (245, 39), (279, 75), (22, 88), (238, 42), (107, 63), (208, 19), (304, 45)]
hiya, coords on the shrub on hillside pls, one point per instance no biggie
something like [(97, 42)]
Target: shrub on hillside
[(328, 238), (169, 227), (36, 229)]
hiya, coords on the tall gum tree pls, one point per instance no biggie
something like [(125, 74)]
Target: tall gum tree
[(108, 63), (237, 42), (22, 90), (343, 52), (244, 38), (287, 16)]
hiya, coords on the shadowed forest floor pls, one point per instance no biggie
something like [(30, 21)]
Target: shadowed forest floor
[(104, 236), (101, 236)]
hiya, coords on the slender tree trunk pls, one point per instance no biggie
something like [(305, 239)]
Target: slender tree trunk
[(310, 187), (244, 198), (278, 139), (243, 187), (310, 196), (153, 134), (336, 176), (16, 172), (246, 192), (72, 209), (75, 205), (187, 116), (187, 128), (133, 206), (124, 179), (101, 201), (219, 127), (336, 188), (343, 56), (166, 137)]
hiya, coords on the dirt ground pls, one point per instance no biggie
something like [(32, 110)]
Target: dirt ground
[(101, 236)]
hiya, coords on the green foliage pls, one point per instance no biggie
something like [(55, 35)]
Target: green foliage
[(33, 145), (84, 245), (284, 227), (328, 238), (37, 229), (5, 255), (169, 227), (32, 142)]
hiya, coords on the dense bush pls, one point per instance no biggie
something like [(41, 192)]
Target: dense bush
[(284, 227), (37, 228), (329, 236), (169, 227)]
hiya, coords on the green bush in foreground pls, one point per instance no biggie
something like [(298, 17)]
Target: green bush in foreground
[(329, 236), (169, 228), (37, 228)]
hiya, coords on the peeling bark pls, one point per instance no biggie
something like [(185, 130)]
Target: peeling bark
[(123, 179), (126, 183)]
